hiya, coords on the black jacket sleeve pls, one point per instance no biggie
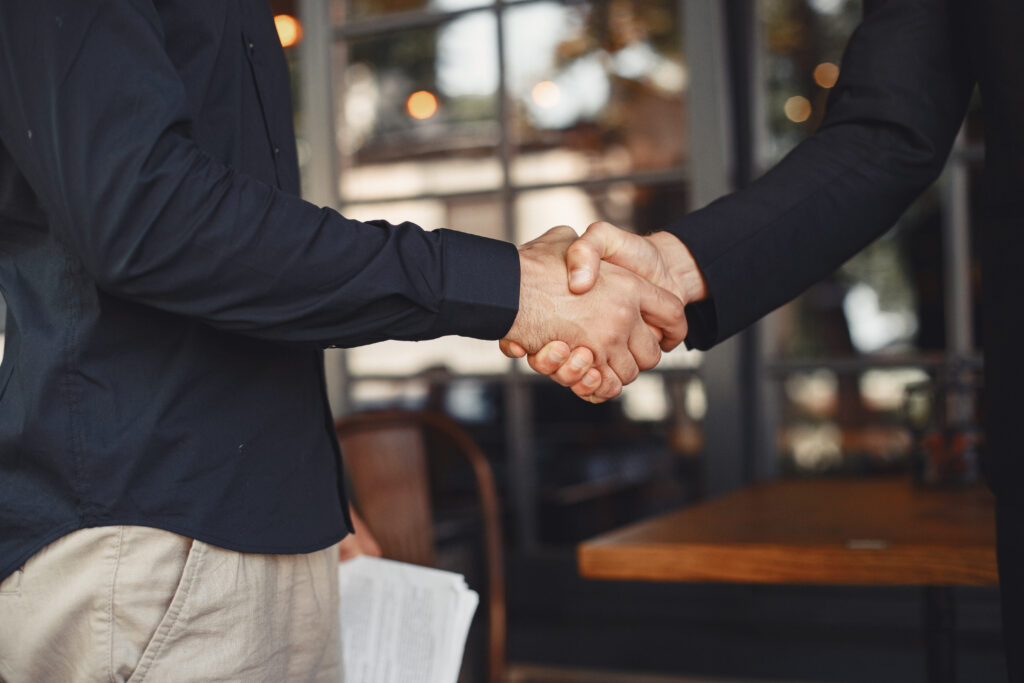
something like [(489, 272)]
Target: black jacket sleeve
[(95, 116), (903, 89)]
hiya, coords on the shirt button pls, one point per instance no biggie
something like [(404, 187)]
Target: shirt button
[(277, 150)]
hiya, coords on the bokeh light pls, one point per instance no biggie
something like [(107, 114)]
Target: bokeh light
[(798, 109), (826, 74), (546, 94), (421, 104), (289, 30)]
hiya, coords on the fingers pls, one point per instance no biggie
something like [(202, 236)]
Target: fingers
[(610, 387), (550, 358), (583, 258), (590, 382), (662, 309), (511, 348), (602, 241), (559, 233), (577, 367), (623, 364), (567, 369), (643, 344)]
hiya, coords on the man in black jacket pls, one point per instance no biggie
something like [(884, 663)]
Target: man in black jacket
[(907, 75)]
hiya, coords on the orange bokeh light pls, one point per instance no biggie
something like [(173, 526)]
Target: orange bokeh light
[(289, 30), (421, 104), (826, 74), (798, 109)]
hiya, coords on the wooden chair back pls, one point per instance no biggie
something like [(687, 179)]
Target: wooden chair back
[(386, 455)]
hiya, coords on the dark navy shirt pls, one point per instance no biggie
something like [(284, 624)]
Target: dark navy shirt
[(169, 294)]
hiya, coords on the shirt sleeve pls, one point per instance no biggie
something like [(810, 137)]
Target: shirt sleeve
[(902, 93), (95, 115)]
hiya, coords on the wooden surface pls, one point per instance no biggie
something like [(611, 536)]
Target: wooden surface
[(856, 532)]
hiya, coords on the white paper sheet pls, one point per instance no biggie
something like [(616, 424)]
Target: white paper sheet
[(402, 623)]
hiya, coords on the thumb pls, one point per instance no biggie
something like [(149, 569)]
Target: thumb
[(511, 348), (584, 256)]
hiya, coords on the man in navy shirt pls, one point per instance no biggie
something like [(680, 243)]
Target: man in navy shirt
[(169, 477)]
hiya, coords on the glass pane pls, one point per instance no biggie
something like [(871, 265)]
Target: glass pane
[(803, 42), (636, 207), (478, 214), (417, 110), (449, 174), (849, 422), (596, 89), (364, 9), (602, 466), (453, 354)]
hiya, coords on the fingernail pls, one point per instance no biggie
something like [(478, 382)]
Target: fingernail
[(590, 381), (577, 362), (556, 357), (579, 277)]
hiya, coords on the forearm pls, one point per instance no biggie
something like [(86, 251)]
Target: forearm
[(902, 93), (101, 127)]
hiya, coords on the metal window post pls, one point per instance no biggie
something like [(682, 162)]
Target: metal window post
[(319, 184), (711, 159)]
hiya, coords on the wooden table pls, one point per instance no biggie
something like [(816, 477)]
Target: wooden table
[(821, 531)]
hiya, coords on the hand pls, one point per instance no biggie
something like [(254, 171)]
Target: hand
[(660, 258), (611, 319), (361, 542)]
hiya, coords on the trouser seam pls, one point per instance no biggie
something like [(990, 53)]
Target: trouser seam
[(110, 604)]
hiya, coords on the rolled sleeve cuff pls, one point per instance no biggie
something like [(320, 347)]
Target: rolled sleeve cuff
[(481, 286)]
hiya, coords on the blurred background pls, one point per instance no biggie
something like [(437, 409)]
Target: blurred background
[(506, 118)]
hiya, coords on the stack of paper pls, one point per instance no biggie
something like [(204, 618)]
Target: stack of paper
[(402, 623)]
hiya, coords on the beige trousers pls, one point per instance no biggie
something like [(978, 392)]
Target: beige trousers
[(133, 603)]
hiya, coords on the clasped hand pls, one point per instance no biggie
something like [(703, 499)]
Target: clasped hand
[(621, 306)]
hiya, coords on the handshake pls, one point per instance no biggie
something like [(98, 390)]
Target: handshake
[(620, 307)]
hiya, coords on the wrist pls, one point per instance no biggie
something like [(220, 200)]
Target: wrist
[(524, 327), (682, 267)]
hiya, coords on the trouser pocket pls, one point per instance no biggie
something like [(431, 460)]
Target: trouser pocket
[(174, 619), (12, 584)]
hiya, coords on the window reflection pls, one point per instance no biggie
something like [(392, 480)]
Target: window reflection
[(423, 95), (633, 206), (887, 302), (803, 43), (365, 9), (596, 121), (847, 421), (453, 354), (602, 84)]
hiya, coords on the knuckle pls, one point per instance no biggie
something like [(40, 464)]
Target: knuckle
[(565, 377), (678, 309), (611, 392), (650, 360), (623, 314), (564, 231)]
